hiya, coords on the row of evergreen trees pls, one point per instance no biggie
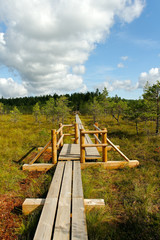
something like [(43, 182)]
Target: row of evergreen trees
[(94, 103)]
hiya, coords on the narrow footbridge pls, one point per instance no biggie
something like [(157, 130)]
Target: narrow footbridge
[(63, 213)]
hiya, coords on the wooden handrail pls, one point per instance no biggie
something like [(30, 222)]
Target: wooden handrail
[(40, 153), (122, 154), (58, 131), (67, 125), (93, 131), (98, 140), (97, 128), (95, 145), (60, 140)]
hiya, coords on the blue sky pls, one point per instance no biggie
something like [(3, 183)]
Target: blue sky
[(139, 41), (105, 45)]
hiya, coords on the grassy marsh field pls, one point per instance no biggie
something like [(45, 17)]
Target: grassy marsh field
[(132, 196)]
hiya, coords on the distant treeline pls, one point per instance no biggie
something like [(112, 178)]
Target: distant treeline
[(76, 101), (94, 103)]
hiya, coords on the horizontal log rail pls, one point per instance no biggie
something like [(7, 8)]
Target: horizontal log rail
[(62, 126), (95, 145), (93, 131), (40, 153)]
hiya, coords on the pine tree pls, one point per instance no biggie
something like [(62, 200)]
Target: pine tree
[(36, 112), (1, 108), (62, 110), (152, 97), (15, 114), (134, 112)]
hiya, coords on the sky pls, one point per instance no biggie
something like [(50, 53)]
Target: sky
[(66, 46)]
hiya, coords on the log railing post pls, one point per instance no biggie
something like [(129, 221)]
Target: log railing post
[(76, 133), (82, 149), (104, 140), (60, 135), (54, 146), (96, 142)]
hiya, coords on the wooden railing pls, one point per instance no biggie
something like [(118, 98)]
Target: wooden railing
[(103, 144), (56, 141), (109, 141), (98, 143)]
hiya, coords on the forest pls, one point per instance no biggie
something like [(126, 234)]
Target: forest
[(94, 103)]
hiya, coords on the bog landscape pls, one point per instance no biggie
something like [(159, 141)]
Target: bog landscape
[(131, 195)]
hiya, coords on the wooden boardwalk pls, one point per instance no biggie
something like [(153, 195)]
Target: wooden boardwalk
[(63, 215), (72, 151)]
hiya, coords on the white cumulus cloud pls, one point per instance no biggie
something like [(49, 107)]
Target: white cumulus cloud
[(79, 69), (9, 88), (152, 77), (112, 85), (48, 41)]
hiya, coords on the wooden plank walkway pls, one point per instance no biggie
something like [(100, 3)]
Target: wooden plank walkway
[(63, 215), (72, 151)]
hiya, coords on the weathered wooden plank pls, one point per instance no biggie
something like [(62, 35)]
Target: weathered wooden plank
[(94, 203), (30, 204), (92, 153), (79, 228), (40, 167), (77, 181), (112, 164), (62, 225), (72, 152), (44, 228)]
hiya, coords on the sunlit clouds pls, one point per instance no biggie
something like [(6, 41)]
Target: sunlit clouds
[(48, 42)]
